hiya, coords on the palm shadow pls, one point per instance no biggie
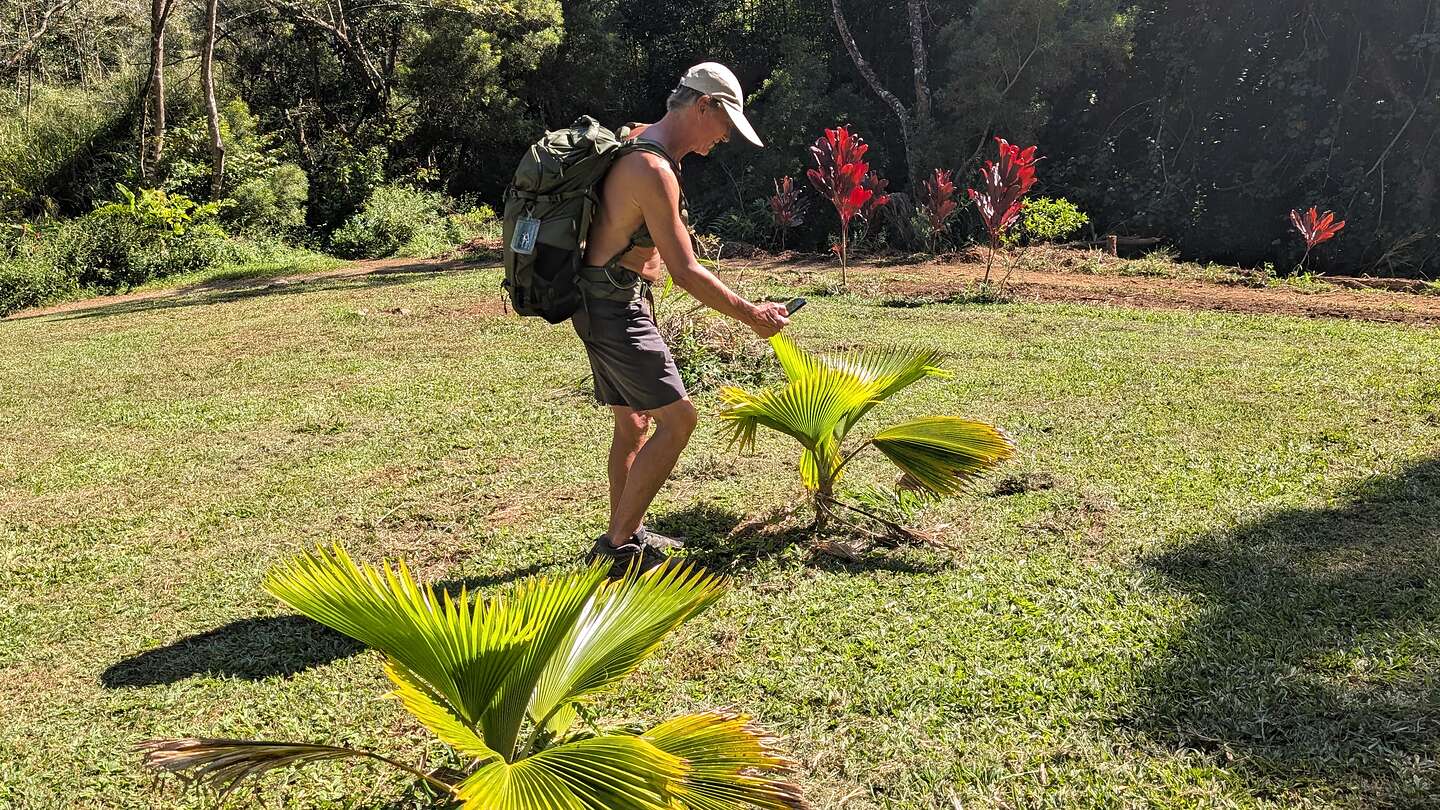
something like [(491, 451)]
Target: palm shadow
[(723, 540), (1315, 660), (251, 649), (258, 648)]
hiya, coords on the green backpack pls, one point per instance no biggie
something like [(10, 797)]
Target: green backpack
[(548, 209)]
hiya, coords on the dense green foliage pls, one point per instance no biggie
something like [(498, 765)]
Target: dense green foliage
[(1280, 105)]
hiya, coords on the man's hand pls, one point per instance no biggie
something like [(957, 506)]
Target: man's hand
[(768, 318)]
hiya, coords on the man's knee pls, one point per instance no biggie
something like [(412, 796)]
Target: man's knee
[(631, 426), (680, 417)]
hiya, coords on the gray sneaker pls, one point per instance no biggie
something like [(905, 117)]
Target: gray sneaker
[(634, 553)]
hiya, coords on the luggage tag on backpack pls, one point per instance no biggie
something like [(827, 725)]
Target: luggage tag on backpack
[(527, 230)]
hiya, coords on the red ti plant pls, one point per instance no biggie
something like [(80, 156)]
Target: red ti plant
[(937, 202), (787, 207), (839, 175), (1004, 184), (876, 185), (1314, 228)]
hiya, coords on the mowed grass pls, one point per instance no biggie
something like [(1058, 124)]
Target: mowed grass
[(1209, 579)]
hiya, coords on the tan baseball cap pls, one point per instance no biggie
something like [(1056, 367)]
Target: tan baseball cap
[(716, 81)]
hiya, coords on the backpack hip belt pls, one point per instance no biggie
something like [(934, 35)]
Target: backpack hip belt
[(618, 285)]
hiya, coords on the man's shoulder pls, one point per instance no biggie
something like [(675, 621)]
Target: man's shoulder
[(644, 163)]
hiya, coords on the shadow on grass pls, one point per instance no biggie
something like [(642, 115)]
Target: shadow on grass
[(1316, 661), (725, 541), (479, 583), (230, 291), (258, 648), (251, 649)]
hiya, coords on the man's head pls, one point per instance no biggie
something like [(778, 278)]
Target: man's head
[(710, 100)]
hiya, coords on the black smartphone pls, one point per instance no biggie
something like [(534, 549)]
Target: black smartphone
[(794, 306)]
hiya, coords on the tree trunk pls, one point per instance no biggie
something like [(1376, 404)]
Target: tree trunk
[(906, 119), (207, 81), (155, 85), (823, 494), (917, 56)]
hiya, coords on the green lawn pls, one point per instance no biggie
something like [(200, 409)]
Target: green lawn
[(1212, 581)]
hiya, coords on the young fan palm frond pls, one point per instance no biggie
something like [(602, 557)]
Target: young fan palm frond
[(499, 680), (826, 395)]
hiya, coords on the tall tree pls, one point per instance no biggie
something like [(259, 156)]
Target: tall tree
[(30, 40), (152, 149), (207, 82), (1232, 113), (913, 122)]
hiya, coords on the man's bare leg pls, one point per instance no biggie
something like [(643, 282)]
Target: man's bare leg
[(650, 466), (631, 428)]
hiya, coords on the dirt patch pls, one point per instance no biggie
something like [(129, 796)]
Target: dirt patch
[(953, 276), (1164, 293)]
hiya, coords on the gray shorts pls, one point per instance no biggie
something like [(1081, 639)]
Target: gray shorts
[(630, 361)]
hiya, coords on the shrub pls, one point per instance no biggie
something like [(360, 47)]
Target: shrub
[(266, 196), (30, 279), (936, 204), (787, 208), (145, 235), (1004, 184), (399, 220), (272, 203), (343, 177), (1050, 220), (472, 223)]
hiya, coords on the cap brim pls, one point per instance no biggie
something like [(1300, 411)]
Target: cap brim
[(741, 123)]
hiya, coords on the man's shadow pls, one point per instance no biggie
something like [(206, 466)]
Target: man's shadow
[(1315, 660)]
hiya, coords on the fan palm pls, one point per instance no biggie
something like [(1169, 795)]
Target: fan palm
[(827, 395), (501, 680)]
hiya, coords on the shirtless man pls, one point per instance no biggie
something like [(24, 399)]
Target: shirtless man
[(641, 229)]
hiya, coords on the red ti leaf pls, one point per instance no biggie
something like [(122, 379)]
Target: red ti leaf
[(842, 176), (839, 169), (1315, 228), (876, 185)]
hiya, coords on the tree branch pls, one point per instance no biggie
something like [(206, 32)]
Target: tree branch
[(338, 28), (28, 47)]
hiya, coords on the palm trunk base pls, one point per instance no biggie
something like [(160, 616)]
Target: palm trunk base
[(831, 518)]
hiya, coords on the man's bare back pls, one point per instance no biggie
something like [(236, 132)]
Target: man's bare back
[(620, 215)]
